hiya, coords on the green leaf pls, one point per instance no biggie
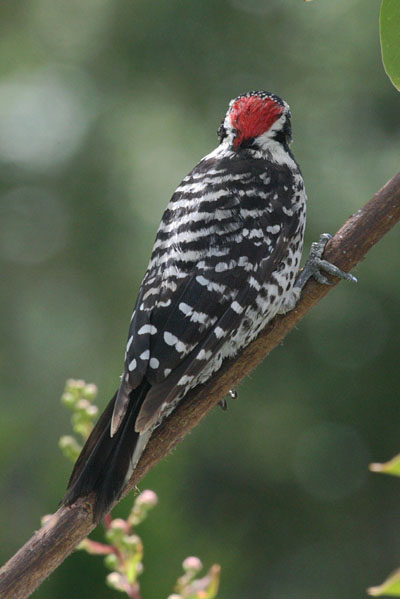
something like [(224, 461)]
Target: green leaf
[(391, 586), (393, 465), (390, 39)]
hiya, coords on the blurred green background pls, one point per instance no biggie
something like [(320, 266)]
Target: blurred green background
[(105, 105)]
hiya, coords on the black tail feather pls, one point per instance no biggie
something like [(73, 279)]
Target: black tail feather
[(104, 461)]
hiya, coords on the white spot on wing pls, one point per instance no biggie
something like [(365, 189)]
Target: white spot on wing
[(154, 363), (147, 328), (164, 304), (204, 355), (254, 283), (132, 365), (218, 332), (169, 338), (180, 346), (151, 291), (202, 280), (236, 307), (185, 308), (287, 211), (202, 318), (185, 379), (221, 266), (145, 355), (256, 233)]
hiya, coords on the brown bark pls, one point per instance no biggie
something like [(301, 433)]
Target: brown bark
[(48, 547)]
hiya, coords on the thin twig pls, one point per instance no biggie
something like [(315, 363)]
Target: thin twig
[(48, 547)]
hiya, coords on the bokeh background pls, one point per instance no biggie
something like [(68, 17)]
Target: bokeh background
[(104, 106)]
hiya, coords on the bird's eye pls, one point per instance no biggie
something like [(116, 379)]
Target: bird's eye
[(221, 132), (281, 137), (284, 135)]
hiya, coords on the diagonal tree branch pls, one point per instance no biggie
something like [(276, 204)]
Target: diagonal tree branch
[(49, 546)]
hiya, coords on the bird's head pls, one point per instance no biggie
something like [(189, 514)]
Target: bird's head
[(256, 120)]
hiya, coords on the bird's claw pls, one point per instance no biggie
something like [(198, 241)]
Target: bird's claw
[(315, 264)]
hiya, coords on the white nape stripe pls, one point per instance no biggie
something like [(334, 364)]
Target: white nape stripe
[(270, 146)]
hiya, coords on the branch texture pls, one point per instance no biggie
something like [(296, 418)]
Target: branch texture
[(49, 546)]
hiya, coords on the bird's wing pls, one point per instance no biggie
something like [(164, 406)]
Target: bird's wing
[(181, 310), (210, 308)]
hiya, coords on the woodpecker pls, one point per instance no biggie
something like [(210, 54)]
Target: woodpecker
[(224, 263)]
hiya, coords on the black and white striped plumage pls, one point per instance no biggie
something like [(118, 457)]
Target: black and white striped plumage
[(223, 264)]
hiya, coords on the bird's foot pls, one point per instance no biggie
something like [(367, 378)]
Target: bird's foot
[(316, 265)]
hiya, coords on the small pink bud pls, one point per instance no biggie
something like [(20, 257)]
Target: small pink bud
[(83, 404), (91, 391), (116, 581), (92, 410), (148, 498), (192, 563), (118, 523)]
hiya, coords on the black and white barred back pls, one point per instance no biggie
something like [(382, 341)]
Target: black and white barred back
[(224, 263)]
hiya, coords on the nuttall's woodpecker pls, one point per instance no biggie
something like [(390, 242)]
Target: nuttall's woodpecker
[(224, 263)]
